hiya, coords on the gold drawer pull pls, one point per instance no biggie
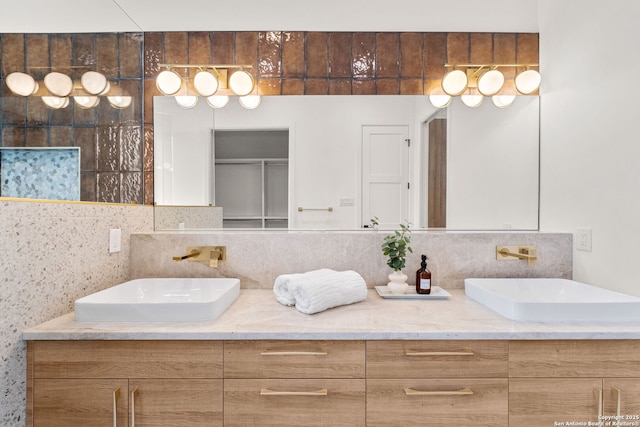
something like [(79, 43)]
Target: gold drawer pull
[(462, 392), (133, 407), (439, 353), (598, 394), (267, 392), (618, 393), (116, 396), (293, 353)]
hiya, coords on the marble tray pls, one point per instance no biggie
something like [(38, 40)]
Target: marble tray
[(436, 293)]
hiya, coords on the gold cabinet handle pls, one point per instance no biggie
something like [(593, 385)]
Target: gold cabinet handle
[(618, 394), (461, 392), (267, 392), (116, 395), (133, 407), (598, 394), (439, 353), (293, 353)]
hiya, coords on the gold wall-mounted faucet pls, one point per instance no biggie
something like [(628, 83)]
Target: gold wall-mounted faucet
[(208, 254), (525, 252)]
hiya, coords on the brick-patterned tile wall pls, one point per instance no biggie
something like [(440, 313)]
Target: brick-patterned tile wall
[(109, 139), (117, 145)]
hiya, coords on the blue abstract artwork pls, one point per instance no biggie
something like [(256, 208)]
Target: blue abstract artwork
[(40, 173)]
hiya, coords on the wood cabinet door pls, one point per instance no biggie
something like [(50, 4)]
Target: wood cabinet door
[(437, 402), (175, 402), (622, 398), (80, 402), (542, 402)]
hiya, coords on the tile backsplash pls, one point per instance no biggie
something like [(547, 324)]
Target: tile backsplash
[(257, 258)]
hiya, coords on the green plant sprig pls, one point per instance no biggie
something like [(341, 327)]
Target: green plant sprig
[(396, 246)]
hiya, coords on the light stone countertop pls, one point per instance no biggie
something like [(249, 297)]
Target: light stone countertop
[(257, 315)]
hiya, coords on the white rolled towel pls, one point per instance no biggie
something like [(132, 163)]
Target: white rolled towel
[(282, 285), (320, 292)]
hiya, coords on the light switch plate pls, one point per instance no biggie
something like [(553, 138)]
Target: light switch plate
[(115, 240)]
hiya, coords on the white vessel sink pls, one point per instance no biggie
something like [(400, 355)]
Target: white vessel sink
[(542, 300), (159, 300)]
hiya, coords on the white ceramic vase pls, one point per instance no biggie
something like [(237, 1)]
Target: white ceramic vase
[(398, 283)]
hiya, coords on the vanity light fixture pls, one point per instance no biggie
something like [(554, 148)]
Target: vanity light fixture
[(250, 102), (86, 102), (22, 84), (168, 82), (214, 82), (528, 81), (55, 102), (490, 82), (205, 83), (503, 101), (439, 99), (241, 83), (218, 101), (57, 88), (120, 101), (95, 83), (472, 100), (474, 81), (455, 82), (58, 84), (187, 101)]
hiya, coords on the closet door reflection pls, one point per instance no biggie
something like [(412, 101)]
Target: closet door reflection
[(251, 178)]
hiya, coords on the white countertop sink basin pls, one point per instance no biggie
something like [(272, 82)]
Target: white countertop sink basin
[(160, 300), (557, 300)]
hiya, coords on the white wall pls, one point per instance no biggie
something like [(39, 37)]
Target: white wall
[(492, 171), (589, 130), (182, 153)]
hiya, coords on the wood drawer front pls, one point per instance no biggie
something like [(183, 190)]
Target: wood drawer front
[(437, 359), (437, 402), (541, 402), (294, 359), (562, 358), (294, 402), (127, 359)]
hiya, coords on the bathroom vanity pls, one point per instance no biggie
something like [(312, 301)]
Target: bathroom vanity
[(376, 363)]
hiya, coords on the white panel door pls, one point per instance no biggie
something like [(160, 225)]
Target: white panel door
[(385, 174)]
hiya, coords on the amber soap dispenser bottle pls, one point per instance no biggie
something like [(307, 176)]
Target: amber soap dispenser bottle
[(423, 277)]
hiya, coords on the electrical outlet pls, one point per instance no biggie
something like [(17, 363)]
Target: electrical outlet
[(115, 240), (583, 239)]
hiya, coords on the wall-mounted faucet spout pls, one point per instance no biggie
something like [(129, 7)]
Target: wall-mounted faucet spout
[(193, 253), (517, 252), (207, 254)]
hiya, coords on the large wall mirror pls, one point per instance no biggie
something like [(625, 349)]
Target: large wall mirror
[(335, 162)]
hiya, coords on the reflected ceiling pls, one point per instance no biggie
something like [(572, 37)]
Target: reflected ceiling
[(70, 16)]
